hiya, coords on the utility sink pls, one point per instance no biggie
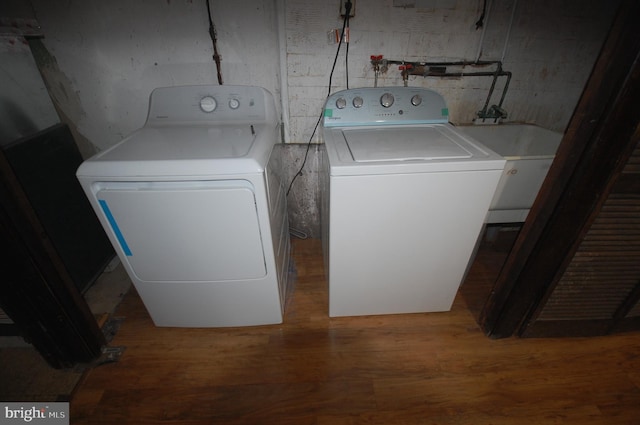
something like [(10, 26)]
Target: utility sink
[(529, 150)]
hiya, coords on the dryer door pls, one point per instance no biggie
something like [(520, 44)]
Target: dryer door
[(184, 231)]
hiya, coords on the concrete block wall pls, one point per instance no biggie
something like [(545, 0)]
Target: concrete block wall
[(102, 59), (549, 46)]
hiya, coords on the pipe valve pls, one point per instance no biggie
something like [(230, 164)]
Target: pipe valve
[(405, 70), (379, 65)]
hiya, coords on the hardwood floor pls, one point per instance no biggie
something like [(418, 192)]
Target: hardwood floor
[(435, 368)]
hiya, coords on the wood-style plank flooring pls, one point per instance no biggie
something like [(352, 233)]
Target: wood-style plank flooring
[(435, 368)]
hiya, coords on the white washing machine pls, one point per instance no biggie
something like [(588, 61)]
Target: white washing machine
[(405, 196), (194, 207)]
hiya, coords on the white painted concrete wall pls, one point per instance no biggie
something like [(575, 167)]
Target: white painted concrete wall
[(25, 107), (109, 55), (550, 49)]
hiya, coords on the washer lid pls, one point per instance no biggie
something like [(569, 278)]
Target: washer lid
[(394, 144), (368, 150)]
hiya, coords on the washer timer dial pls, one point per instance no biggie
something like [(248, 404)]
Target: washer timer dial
[(386, 100)]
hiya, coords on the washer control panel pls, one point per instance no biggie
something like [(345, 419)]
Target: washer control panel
[(209, 104), (385, 105)]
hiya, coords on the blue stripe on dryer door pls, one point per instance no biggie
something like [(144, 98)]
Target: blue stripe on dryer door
[(114, 226)]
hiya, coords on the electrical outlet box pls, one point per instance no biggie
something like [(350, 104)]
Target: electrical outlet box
[(343, 10)]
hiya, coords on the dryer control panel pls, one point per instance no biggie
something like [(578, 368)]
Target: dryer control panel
[(208, 104), (384, 106)]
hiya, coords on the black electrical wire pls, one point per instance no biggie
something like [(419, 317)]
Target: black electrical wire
[(306, 154), (346, 56), (335, 61), (480, 21), (345, 24), (214, 40)]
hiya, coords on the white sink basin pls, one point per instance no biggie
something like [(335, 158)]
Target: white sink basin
[(529, 151)]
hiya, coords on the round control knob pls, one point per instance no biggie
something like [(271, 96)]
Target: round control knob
[(208, 104), (341, 103), (386, 100), (234, 103), (416, 100), (358, 102)]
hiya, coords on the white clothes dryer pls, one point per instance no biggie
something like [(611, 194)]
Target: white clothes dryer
[(195, 209), (405, 196)]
